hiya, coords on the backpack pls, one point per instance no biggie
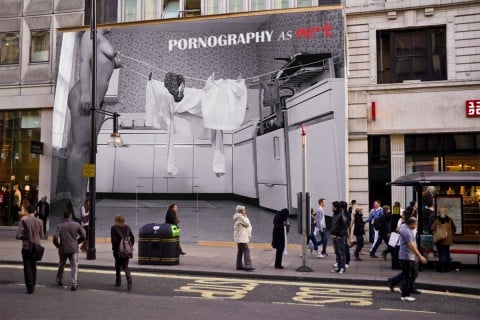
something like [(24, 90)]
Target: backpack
[(125, 248)]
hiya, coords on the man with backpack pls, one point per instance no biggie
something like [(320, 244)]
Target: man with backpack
[(122, 239), (67, 237)]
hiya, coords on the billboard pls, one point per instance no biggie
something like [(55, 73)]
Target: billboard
[(208, 105)]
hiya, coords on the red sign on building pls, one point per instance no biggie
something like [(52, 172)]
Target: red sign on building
[(473, 108)]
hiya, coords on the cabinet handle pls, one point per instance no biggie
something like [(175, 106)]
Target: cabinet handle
[(276, 148)]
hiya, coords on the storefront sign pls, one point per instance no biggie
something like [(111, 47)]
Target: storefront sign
[(473, 108), (36, 147)]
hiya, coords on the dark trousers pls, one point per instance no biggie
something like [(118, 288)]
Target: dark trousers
[(121, 264), (347, 252), (378, 243), (44, 220), (243, 252), (339, 247), (358, 248), (409, 274), (279, 255), (29, 270), (444, 259)]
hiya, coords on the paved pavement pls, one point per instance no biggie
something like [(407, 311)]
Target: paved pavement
[(212, 253)]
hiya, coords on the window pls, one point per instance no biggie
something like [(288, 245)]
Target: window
[(213, 6), (192, 8), (9, 50), (304, 3), (130, 10), (235, 6), (40, 46), (258, 5), (280, 4), (411, 54), (150, 9)]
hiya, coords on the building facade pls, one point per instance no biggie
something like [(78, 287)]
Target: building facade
[(27, 73), (413, 98)]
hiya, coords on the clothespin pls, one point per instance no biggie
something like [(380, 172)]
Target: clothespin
[(150, 76)]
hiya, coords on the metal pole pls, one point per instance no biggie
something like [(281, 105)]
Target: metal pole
[(91, 252)]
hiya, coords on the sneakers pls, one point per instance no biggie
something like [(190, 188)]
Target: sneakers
[(320, 255), (409, 299), (347, 266), (341, 270), (335, 265), (73, 287)]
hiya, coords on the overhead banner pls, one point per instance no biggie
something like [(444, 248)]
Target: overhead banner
[(212, 105)]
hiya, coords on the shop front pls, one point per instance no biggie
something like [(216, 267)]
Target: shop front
[(20, 150)]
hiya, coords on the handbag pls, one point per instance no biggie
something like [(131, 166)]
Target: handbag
[(440, 232), (36, 250)]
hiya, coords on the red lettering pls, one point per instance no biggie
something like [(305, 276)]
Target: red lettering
[(327, 28), (301, 33)]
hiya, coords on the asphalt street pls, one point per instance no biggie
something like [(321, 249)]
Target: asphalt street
[(191, 297)]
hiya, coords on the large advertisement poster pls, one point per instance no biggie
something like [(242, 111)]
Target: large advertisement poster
[(211, 106)]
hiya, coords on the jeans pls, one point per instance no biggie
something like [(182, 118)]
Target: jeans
[(444, 258), (323, 241), (121, 263), (358, 248), (73, 258), (339, 247), (313, 239), (243, 250), (377, 244)]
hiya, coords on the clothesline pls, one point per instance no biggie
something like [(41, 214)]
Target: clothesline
[(257, 78)]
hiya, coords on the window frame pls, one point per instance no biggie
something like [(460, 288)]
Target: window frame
[(18, 48), (31, 46), (389, 37)]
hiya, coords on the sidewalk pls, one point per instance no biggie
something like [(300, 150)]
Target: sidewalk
[(215, 258)]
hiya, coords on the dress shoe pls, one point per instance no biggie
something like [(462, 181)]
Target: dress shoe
[(59, 283), (372, 255), (73, 287), (183, 253), (129, 285), (249, 269), (357, 259), (391, 285), (415, 291), (278, 267), (384, 256), (242, 268)]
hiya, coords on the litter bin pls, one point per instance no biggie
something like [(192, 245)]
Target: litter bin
[(159, 244)]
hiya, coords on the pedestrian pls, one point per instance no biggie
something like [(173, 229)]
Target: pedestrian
[(383, 225), (322, 228), (242, 232), (280, 222), (68, 236), (445, 225), (358, 232), (312, 244), (30, 230), (408, 253), (171, 217), (43, 211), (346, 212), (85, 222), (119, 231), (338, 232), (374, 219)]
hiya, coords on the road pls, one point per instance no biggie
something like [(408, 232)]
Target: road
[(186, 297)]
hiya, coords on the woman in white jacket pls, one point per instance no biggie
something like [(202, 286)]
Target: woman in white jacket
[(242, 231)]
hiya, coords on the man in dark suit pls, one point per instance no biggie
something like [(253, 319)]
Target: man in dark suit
[(67, 237), (30, 230), (43, 212)]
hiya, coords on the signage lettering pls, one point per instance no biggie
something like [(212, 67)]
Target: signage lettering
[(473, 108)]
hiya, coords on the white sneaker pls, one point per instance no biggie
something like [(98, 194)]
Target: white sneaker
[(320, 255), (347, 266), (409, 299), (342, 270), (335, 265)]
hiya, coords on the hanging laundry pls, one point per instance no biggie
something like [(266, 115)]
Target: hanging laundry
[(183, 117), (224, 103)]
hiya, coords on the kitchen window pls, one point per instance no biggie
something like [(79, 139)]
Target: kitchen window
[(411, 54), (9, 48), (40, 46)]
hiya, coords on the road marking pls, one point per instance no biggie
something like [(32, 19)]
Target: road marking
[(405, 310), (215, 289), (271, 282), (322, 296), (299, 304)]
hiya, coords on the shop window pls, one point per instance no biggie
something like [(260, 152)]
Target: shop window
[(40, 46), (130, 10), (411, 54), (150, 9), (379, 168), (192, 8), (462, 163), (281, 4), (256, 5), (107, 11), (9, 48), (304, 3)]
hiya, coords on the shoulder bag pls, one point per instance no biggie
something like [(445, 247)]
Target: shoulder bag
[(440, 232)]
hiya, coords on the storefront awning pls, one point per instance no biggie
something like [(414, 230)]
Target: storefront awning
[(437, 178)]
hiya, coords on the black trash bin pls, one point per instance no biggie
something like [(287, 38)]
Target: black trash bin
[(159, 244)]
